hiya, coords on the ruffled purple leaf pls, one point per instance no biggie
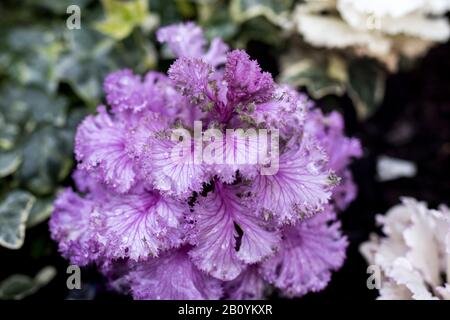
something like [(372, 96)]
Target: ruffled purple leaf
[(299, 189), (71, 226), (172, 276), (172, 167), (246, 82), (101, 150), (310, 251), (183, 39), (138, 226), (191, 77), (124, 91), (227, 235), (187, 40), (248, 286)]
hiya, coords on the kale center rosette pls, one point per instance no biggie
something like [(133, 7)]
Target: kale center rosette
[(162, 222)]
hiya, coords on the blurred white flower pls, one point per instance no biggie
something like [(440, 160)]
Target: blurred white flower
[(414, 255), (389, 168), (382, 29)]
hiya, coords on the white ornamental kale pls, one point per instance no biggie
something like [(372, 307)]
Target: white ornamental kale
[(414, 255)]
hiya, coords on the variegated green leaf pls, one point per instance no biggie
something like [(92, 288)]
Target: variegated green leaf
[(14, 211), (19, 286), (9, 162), (46, 159)]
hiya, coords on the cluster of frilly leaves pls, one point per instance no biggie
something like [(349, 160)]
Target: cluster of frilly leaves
[(50, 78), (164, 227)]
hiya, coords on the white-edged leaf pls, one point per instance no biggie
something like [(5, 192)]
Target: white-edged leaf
[(9, 162), (41, 210), (19, 286)]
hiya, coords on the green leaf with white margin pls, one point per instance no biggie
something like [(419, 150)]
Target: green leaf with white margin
[(366, 86), (47, 159), (215, 19), (19, 286), (319, 77), (261, 30), (28, 105), (33, 52), (14, 211), (9, 162), (276, 11), (8, 134), (13, 108), (41, 211), (86, 63), (122, 17)]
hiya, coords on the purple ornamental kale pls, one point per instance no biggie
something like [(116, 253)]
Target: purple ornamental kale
[(162, 223)]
